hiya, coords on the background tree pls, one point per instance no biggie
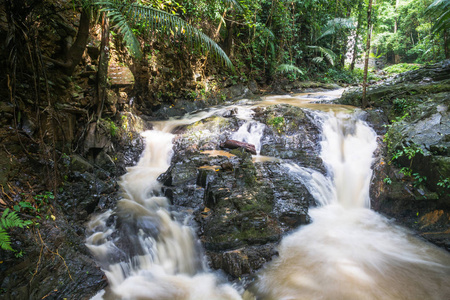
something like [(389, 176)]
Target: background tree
[(367, 53)]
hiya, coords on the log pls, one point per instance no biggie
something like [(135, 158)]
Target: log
[(233, 144)]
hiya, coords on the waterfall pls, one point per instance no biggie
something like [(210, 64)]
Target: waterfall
[(144, 252), (346, 149), (349, 251), (250, 131)]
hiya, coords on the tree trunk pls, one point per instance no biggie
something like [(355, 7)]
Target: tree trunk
[(364, 103), (358, 28), (229, 38), (75, 53), (102, 74), (396, 56)]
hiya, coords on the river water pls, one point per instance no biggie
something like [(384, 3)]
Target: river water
[(347, 252)]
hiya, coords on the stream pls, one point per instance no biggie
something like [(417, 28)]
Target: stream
[(148, 250)]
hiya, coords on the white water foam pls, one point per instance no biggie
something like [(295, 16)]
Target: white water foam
[(251, 131), (146, 254), (350, 252)]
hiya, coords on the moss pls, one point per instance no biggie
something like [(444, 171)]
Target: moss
[(278, 123), (400, 68)]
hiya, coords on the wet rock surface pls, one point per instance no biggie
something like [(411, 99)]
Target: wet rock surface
[(243, 206), (412, 170), (60, 267), (51, 260)]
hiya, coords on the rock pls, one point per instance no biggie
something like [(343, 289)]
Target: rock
[(237, 91), (60, 268), (105, 162), (120, 75), (98, 137), (6, 107), (418, 137), (253, 86), (79, 164), (243, 207)]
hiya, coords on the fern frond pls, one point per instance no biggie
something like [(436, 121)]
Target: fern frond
[(8, 220), (11, 219), (5, 241), (288, 68)]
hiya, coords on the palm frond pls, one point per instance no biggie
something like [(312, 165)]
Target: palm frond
[(125, 14), (116, 12), (438, 4), (325, 52), (317, 59), (336, 24), (442, 23), (441, 10), (288, 68)]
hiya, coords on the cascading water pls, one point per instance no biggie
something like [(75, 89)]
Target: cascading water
[(144, 253), (349, 251), (251, 131)]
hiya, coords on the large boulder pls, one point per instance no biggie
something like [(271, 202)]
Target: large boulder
[(412, 176), (243, 205)]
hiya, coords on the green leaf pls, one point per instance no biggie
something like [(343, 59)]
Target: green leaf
[(327, 53), (124, 15), (288, 68), (5, 242)]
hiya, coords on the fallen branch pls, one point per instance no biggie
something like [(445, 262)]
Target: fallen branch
[(233, 144)]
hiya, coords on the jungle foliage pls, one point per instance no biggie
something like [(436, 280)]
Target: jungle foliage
[(311, 37)]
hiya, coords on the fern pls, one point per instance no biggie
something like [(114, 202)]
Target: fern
[(287, 68), (5, 242), (8, 220), (11, 219)]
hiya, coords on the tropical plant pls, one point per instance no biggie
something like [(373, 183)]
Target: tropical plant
[(441, 9), (324, 53), (336, 24), (333, 26), (126, 15), (288, 68), (9, 220)]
